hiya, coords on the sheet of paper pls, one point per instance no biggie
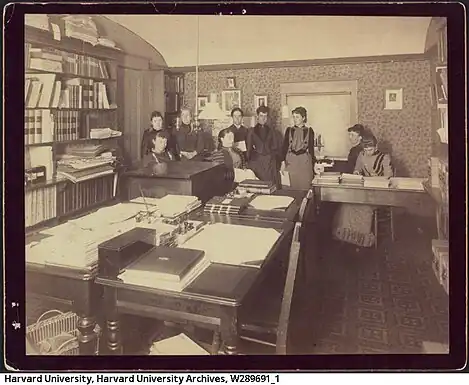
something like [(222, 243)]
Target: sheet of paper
[(285, 178), (179, 345), (241, 175), (234, 244), (271, 202)]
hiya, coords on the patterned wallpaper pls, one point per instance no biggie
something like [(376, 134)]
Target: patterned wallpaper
[(405, 133)]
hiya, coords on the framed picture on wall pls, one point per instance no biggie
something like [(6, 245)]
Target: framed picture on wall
[(231, 82), (260, 100), (230, 99), (202, 102), (393, 99)]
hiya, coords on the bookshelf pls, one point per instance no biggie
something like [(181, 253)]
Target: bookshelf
[(174, 96), (70, 89), (438, 164)]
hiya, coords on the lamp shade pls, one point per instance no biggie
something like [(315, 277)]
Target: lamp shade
[(212, 110)]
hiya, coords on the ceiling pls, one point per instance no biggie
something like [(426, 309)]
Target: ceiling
[(249, 39)]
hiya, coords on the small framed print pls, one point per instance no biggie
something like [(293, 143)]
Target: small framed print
[(231, 82), (202, 102), (259, 101), (230, 99), (393, 99)]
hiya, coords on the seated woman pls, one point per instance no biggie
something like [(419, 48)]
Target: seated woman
[(157, 124), (158, 155), (227, 154), (354, 222)]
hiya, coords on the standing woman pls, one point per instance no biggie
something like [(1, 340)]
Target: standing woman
[(263, 152), (192, 142), (156, 125), (298, 151)]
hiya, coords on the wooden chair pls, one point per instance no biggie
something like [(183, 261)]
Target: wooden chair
[(265, 318)]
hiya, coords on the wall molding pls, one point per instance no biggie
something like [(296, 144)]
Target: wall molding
[(304, 63)]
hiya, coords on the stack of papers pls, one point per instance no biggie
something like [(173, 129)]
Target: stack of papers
[(171, 206), (234, 244), (328, 178), (271, 202), (241, 175), (179, 345), (376, 182), (352, 179), (408, 183)]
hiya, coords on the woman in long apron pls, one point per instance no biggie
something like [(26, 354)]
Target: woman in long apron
[(298, 151)]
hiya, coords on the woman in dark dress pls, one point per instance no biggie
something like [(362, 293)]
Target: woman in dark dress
[(263, 150), (298, 151), (155, 162), (157, 124), (192, 142), (355, 134)]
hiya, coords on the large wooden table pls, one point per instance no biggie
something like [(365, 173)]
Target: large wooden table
[(211, 301), (391, 197)]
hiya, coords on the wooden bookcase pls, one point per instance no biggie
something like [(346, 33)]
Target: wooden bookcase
[(174, 96), (439, 165), (64, 99)]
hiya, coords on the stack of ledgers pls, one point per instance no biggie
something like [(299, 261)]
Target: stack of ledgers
[(351, 179), (226, 205), (376, 182), (327, 178), (408, 183), (173, 206), (81, 27), (257, 187)]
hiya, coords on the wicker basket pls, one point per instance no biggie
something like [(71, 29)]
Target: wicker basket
[(56, 335)]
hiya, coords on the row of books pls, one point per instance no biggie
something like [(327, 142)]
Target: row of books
[(336, 178), (44, 126), (44, 91), (40, 205), (88, 193), (174, 84), (52, 60)]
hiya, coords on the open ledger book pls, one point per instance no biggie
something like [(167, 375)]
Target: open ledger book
[(234, 244)]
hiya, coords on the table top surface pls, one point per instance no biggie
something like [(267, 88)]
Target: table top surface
[(176, 170), (355, 187), (220, 284)]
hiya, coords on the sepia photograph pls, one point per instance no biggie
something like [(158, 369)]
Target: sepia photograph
[(161, 221)]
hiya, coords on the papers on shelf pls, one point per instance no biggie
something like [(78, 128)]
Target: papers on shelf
[(234, 244), (179, 345), (271, 202), (241, 175), (408, 183)]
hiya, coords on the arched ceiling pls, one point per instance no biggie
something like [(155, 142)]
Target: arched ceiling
[(248, 39)]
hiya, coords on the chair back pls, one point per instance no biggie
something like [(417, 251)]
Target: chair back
[(284, 318)]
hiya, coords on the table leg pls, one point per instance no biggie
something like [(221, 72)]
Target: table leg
[(230, 331), (113, 335), (87, 338)]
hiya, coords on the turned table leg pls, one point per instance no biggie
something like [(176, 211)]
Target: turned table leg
[(87, 338), (230, 331), (113, 335)]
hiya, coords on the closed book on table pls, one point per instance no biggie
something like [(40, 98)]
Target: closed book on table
[(225, 205), (166, 263)]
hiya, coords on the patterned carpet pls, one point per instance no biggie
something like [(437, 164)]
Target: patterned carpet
[(381, 301)]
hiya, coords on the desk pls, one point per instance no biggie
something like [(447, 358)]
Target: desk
[(367, 195), (201, 179), (211, 301), (70, 286)]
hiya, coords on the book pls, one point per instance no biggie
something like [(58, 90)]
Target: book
[(271, 202), (167, 263), (376, 182), (226, 205)]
